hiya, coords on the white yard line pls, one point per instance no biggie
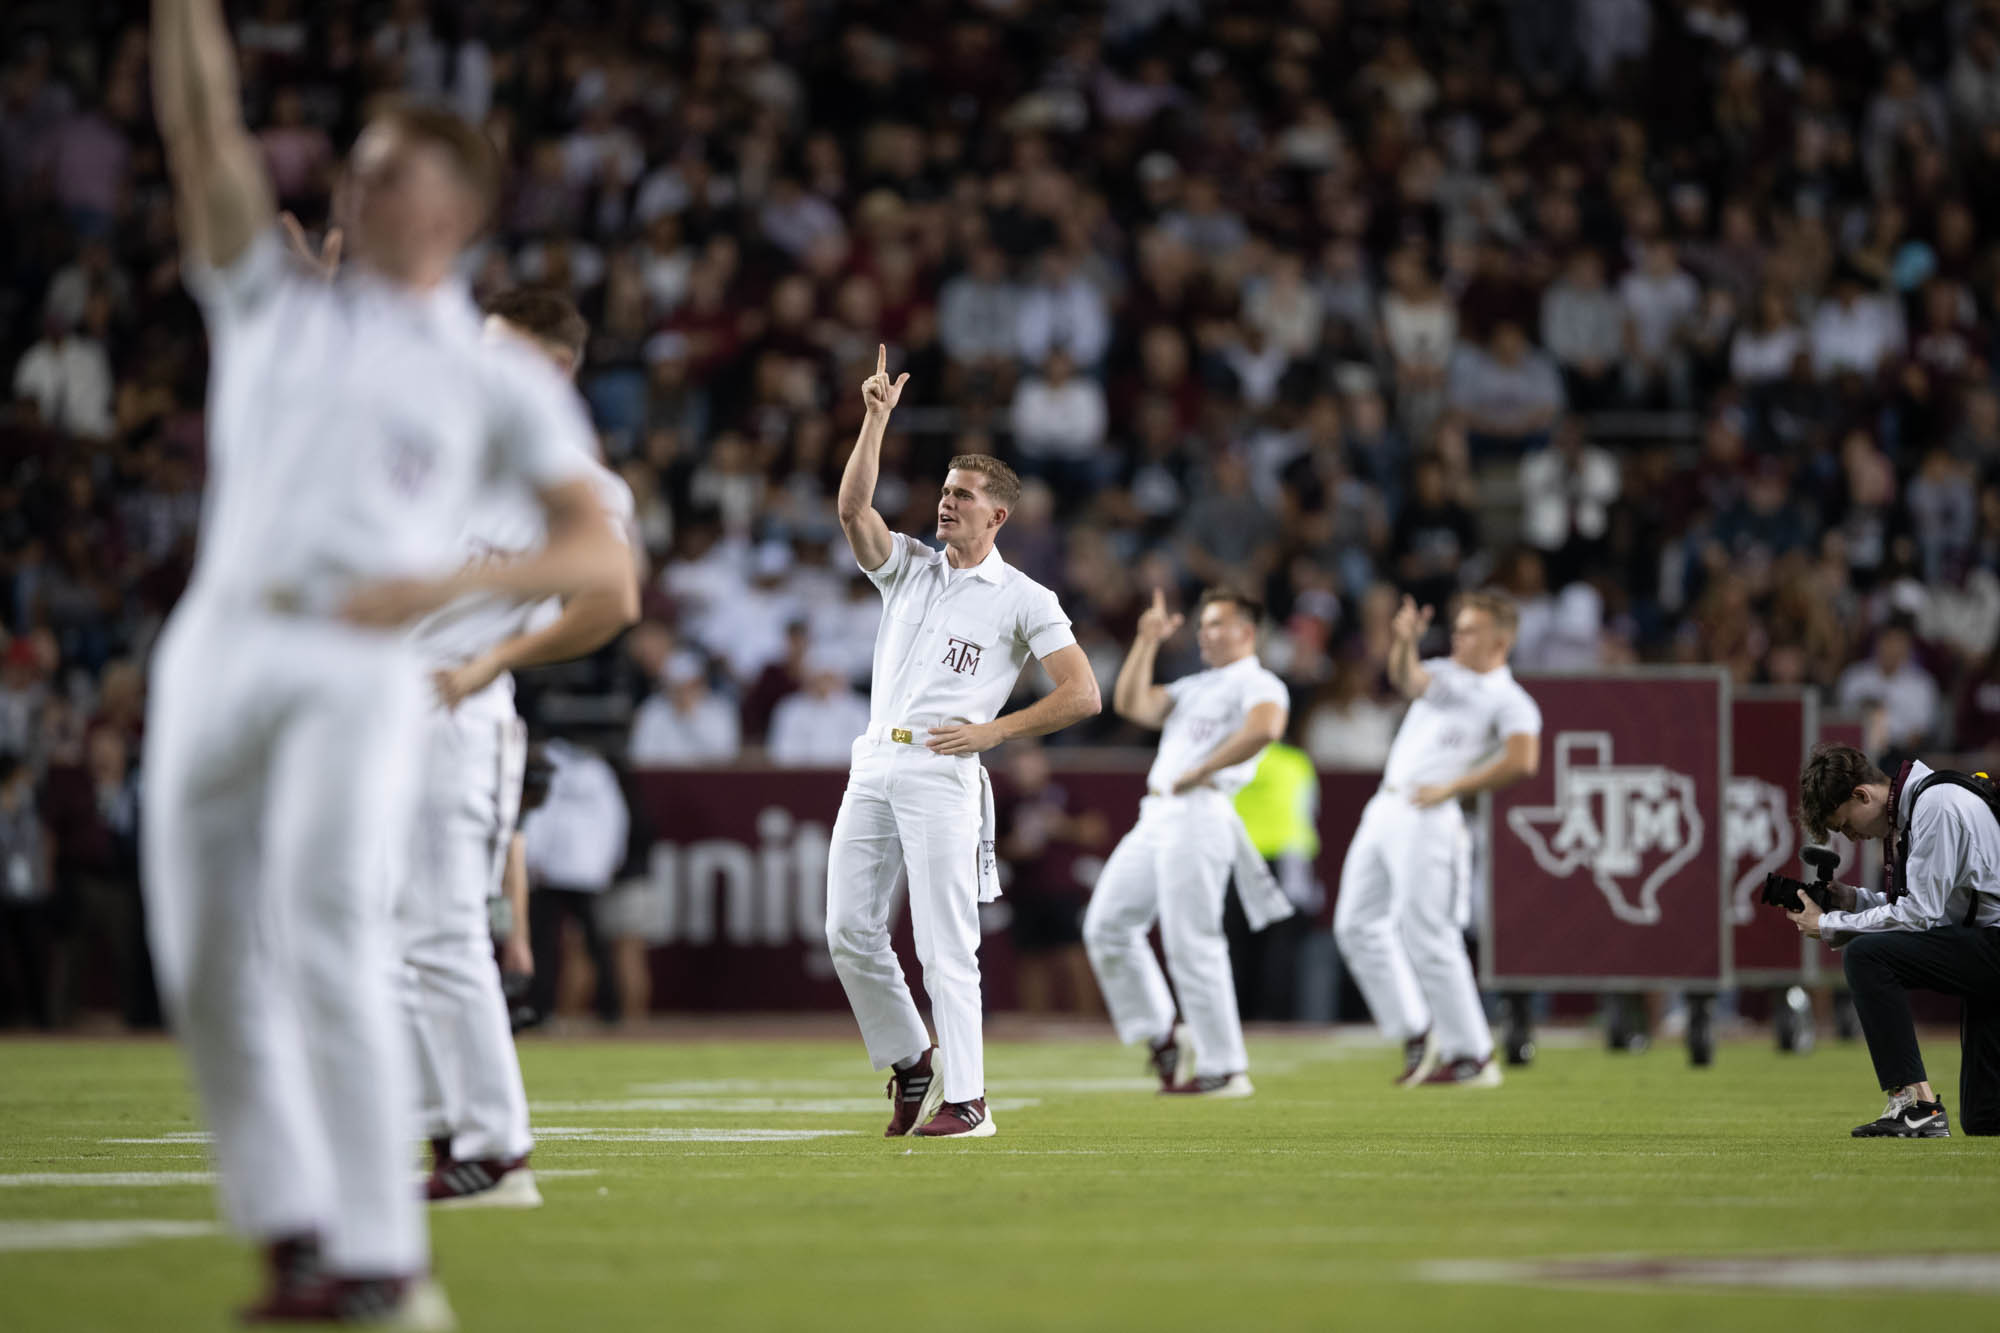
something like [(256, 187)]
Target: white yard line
[(1823, 1273), (30, 1237)]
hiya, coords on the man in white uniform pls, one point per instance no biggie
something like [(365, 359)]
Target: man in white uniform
[(1174, 865), (957, 627), (474, 1106), (1405, 887), (350, 428)]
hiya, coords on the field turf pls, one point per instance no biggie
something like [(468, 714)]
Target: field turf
[(1326, 1202)]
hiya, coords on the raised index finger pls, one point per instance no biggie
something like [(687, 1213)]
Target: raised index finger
[(881, 358), (1160, 600)]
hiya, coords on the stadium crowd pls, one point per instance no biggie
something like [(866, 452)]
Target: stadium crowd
[(1672, 318)]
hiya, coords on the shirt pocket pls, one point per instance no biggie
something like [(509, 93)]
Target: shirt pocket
[(962, 645)]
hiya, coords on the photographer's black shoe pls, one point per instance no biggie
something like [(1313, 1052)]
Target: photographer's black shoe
[(1907, 1118)]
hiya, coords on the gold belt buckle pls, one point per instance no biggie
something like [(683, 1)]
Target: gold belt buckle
[(901, 735)]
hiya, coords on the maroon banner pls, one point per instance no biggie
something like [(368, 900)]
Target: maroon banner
[(1607, 869), (733, 905), (1770, 732)]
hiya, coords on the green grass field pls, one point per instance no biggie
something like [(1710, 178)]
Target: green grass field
[(1321, 1203)]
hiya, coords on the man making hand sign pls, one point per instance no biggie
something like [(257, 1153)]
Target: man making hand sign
[(957, 627), (1174, 865)]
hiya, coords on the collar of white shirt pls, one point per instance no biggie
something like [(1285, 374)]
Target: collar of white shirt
[(993, 569)]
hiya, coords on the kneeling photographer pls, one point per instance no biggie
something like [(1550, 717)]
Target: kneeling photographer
[(1936, 926)]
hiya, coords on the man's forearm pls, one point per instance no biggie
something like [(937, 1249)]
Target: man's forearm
[(1135, 676), (1068, 703), (1500, 773), (864, 463), (591, 559), (1402, 663), (1239, 745), (588, 622)]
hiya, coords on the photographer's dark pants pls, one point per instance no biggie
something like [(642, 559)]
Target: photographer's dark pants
[(548, 908), (1882, 969)]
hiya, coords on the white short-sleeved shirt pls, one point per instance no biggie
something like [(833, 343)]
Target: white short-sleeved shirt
[(1463, 717), (576, 838), (353, 424), (953, 641), (1209, 706)]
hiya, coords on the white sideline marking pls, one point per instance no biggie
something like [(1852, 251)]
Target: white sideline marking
[(751, 1105), (27, 1237), (162, 1179), (1859, 1272), (662, 1134)]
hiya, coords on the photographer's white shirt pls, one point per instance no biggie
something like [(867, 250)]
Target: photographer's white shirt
[(1954, 853)]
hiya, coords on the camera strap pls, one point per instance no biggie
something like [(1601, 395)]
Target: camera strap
[(1977, 783)]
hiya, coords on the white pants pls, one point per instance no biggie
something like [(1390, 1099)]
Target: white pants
[(1173, 866), (909, 809), (279, 784), (468, 1075), (1404, 898)]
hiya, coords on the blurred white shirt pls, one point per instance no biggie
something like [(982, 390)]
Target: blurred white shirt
[(576, 838), (664, 736), (807, 731)]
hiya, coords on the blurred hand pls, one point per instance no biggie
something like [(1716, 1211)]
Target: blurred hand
[(1156, 624), (1410, 621), (327, 260), (516, 954), (1807, 917), (877, 392), (456, 684), (1189, 780), (966, 738), (1436, 794)]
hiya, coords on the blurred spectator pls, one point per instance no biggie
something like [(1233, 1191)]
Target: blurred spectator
[(66, 376), (1765, 347), (1058, 421), (27, 907), (1061, 309), (1434, 537), (92, 811), (977, 314), (779, 680), (817, 726), (1853, 331), (1227, 535), (1583, 327), (1567, 491), (1420, 327), (1043, 843), (1352, 722), (1660, 302), (1891, 680), (1508, 394), (575, 842), (684, 724), (24, 697)]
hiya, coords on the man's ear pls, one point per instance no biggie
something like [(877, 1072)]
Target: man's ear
[(1000, 513)]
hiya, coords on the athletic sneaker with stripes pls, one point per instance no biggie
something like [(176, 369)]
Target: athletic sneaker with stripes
[(965, 1120), (1169, 1055), (1212, 1085), (487, 1183), (914, 1096), (1420, 1059)]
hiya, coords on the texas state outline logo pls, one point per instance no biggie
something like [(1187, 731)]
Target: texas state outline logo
[(1631, 826)]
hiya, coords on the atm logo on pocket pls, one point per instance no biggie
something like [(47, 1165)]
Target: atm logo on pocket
[(961, 656), (1631, 826)]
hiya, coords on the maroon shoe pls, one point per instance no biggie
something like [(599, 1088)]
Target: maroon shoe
[(1464, 1072), (487, 1183), (1213, 1085), (298, 1289), (1167, 1056), (1420, 1060), (962, 1120), (914, 1095)]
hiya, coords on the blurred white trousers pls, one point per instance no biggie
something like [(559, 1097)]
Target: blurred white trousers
[(1405, 900), (1174, 867), (468, 1075), (279, 780), (909, 809)]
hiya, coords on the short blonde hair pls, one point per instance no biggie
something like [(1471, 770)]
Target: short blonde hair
[(1003, 486), (1498, 606)]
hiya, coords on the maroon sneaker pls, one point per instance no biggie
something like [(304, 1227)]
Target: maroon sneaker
[(1168, 1056), (1464, 1072), (298, 1286), (1420, 1058), (1212, 1085), (962, 1120), (488, 1183), (914, 1096)]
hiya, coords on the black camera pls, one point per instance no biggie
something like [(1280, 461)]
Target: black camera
[(1790, 894)]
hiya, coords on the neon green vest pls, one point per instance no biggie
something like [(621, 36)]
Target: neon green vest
[(1280, 805)]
